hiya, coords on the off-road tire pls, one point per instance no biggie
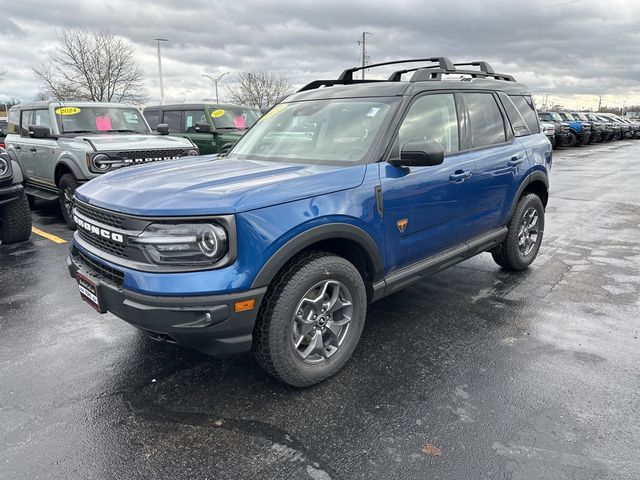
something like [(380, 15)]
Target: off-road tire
[(15, 221), (32, 201), (68, 184), (272, 335), (573, 140), (508, 254)]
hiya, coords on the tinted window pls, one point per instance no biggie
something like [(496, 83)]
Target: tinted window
[(432, 117), (152, 117), (487, 125), (172, 118), (191, 117), (517, 122), (525, 106), (13, 120)]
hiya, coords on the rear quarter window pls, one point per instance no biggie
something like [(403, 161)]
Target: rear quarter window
[(524, 104), (517, 122), (13, 121)]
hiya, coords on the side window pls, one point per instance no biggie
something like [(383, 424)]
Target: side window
[(13, 120), (432, 117), (173, 119), (191, 117), (25, 121), (517, 122), (487, 124), (524, 104), (152, 117), (42, 118)]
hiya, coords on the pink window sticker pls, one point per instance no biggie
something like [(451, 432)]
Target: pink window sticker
[(103, 123), (238, 122)]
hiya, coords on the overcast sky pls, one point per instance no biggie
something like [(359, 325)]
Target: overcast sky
[(572, 50)]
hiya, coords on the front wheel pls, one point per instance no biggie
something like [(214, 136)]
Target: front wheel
[(67, 187), (524, 236), (15, 221), (311, 319)]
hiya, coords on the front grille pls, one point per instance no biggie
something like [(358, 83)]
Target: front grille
[(104, 244), (99, 215), (145, 156), (98, 269)]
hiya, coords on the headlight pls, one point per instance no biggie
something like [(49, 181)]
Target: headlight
[(101, 162), (5, 167), (192, 153), (183, 244)]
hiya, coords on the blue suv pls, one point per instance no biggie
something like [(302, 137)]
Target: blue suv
[(344, 193)]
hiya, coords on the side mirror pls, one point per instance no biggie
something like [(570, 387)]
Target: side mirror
[(162, 129), (420, 153), (38, 131), (204, 127)]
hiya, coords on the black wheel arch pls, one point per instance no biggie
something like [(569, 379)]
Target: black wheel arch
[(536, 182), (346, 240), (65, 166)]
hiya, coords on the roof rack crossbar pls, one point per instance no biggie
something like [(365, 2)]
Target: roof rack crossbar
[(443, 62), (424, 74), (484, 66)]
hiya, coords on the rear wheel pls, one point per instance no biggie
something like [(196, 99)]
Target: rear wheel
[(524, 236), (67, 187), (15, 221), (311, 319)]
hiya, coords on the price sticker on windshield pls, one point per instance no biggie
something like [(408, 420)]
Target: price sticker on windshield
[(274, 111), (217, 113), (67, 111)]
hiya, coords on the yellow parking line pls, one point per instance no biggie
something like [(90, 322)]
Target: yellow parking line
[(48, 236)]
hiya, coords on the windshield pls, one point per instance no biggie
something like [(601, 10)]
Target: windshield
[(580, 116), (556, 117), (319, 131), (233, 117), (97, 119), (567, 116)]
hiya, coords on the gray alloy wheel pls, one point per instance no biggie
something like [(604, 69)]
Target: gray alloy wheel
[(528, 233), (321, 321)]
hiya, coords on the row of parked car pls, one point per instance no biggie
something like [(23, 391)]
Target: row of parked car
[(571, 129), (53, 147)]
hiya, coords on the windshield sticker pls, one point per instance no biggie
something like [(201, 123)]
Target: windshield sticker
[(130, 117), (217, 113), (239, 122), (67, 111), (274, 111), (373, 111), (103, 123)]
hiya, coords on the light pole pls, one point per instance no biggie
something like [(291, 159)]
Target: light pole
[(215, 82), (160, 68)]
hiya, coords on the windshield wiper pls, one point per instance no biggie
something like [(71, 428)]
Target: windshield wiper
[(78, 131), (122, 130)]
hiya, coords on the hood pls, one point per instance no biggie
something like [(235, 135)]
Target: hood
[(134, 141), (209, 186)]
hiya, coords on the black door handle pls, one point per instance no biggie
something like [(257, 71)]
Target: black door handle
[(33, 149), (17, 147)]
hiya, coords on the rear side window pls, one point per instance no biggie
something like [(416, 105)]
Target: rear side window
[(432, 117), (152, 117), (173, 119), (524, 104), (13, 121), (487, 124), (517, 122)]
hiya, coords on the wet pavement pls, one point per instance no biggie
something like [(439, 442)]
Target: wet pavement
[(474, 373)]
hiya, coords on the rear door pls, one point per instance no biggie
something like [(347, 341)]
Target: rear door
[(427, 209), (501, 159)]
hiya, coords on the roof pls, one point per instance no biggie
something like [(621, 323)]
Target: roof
[(197, 105), (56, 103)]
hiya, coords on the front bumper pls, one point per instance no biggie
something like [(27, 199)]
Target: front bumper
[(10, 193), (562, 138), (208, 323)]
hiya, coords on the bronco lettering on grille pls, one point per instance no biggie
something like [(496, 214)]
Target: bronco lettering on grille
[(95, 230)]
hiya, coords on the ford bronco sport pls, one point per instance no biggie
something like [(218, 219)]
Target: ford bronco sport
[(348, 191), (59, 146)]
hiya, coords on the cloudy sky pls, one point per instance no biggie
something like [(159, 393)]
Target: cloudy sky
[(571, 50)]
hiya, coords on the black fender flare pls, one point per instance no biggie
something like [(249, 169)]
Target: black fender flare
[(316, 234), (534, 176), (18, 176), (71, 166)]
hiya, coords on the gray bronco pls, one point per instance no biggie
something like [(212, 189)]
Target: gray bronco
[(58, 146)]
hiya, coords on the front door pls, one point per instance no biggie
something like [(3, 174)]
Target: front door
[(203, 140), (428, 209)]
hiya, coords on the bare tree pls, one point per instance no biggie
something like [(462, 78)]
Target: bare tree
[(259, 89), (92, 66)]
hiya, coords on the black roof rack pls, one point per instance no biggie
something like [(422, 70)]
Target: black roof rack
[(423, 73)]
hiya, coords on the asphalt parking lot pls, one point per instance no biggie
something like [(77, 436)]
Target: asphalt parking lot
[(472, 374)]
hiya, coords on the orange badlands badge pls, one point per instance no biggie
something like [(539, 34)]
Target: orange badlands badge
[(402, 224)]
